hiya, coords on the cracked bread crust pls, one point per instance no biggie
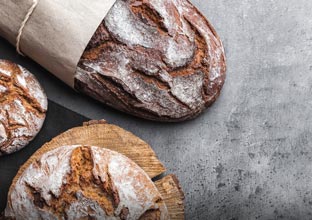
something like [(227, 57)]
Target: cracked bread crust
[(23, 106), (156, 59), (84, 182)]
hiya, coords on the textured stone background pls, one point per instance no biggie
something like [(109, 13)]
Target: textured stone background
[(250, 155)]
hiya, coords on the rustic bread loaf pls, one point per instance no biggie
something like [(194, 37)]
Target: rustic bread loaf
[(156, 59), (23, 106), (84, 182)]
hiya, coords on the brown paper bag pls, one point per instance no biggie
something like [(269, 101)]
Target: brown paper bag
[(57, 33)]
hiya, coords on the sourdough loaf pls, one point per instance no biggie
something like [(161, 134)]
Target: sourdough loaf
[(156, 59), (84, 182), (23, 106)]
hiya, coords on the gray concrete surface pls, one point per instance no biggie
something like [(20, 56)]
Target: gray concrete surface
[(250, 155)]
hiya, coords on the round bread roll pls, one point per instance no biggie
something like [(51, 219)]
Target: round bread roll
[(156, 59), (84, 182), (23, 106)]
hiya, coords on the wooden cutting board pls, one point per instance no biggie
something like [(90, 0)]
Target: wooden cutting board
[(95, 133)]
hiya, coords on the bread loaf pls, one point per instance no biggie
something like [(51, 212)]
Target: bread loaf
[(23, 106), (84, 182), (156, 59)]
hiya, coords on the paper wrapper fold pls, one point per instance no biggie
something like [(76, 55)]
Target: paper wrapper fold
[(57, 32)]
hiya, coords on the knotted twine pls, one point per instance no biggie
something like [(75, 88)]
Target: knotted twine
[(23, 24)]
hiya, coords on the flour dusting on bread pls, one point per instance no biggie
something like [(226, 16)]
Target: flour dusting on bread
[(157, 59), (23, 106), (82, 181)]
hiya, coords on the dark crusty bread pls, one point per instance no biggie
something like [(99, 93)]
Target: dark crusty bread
[(84, 182), (23, 106), (155, 59)]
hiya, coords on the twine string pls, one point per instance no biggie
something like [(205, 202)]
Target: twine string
[(20, 31)]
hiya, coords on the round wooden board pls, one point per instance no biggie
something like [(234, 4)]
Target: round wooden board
[(101, 134)]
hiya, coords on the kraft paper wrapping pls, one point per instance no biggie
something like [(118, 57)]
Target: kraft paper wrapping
[(57, 32)]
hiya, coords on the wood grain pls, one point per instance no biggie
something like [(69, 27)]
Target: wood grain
[(101, 134), (173, 196)]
